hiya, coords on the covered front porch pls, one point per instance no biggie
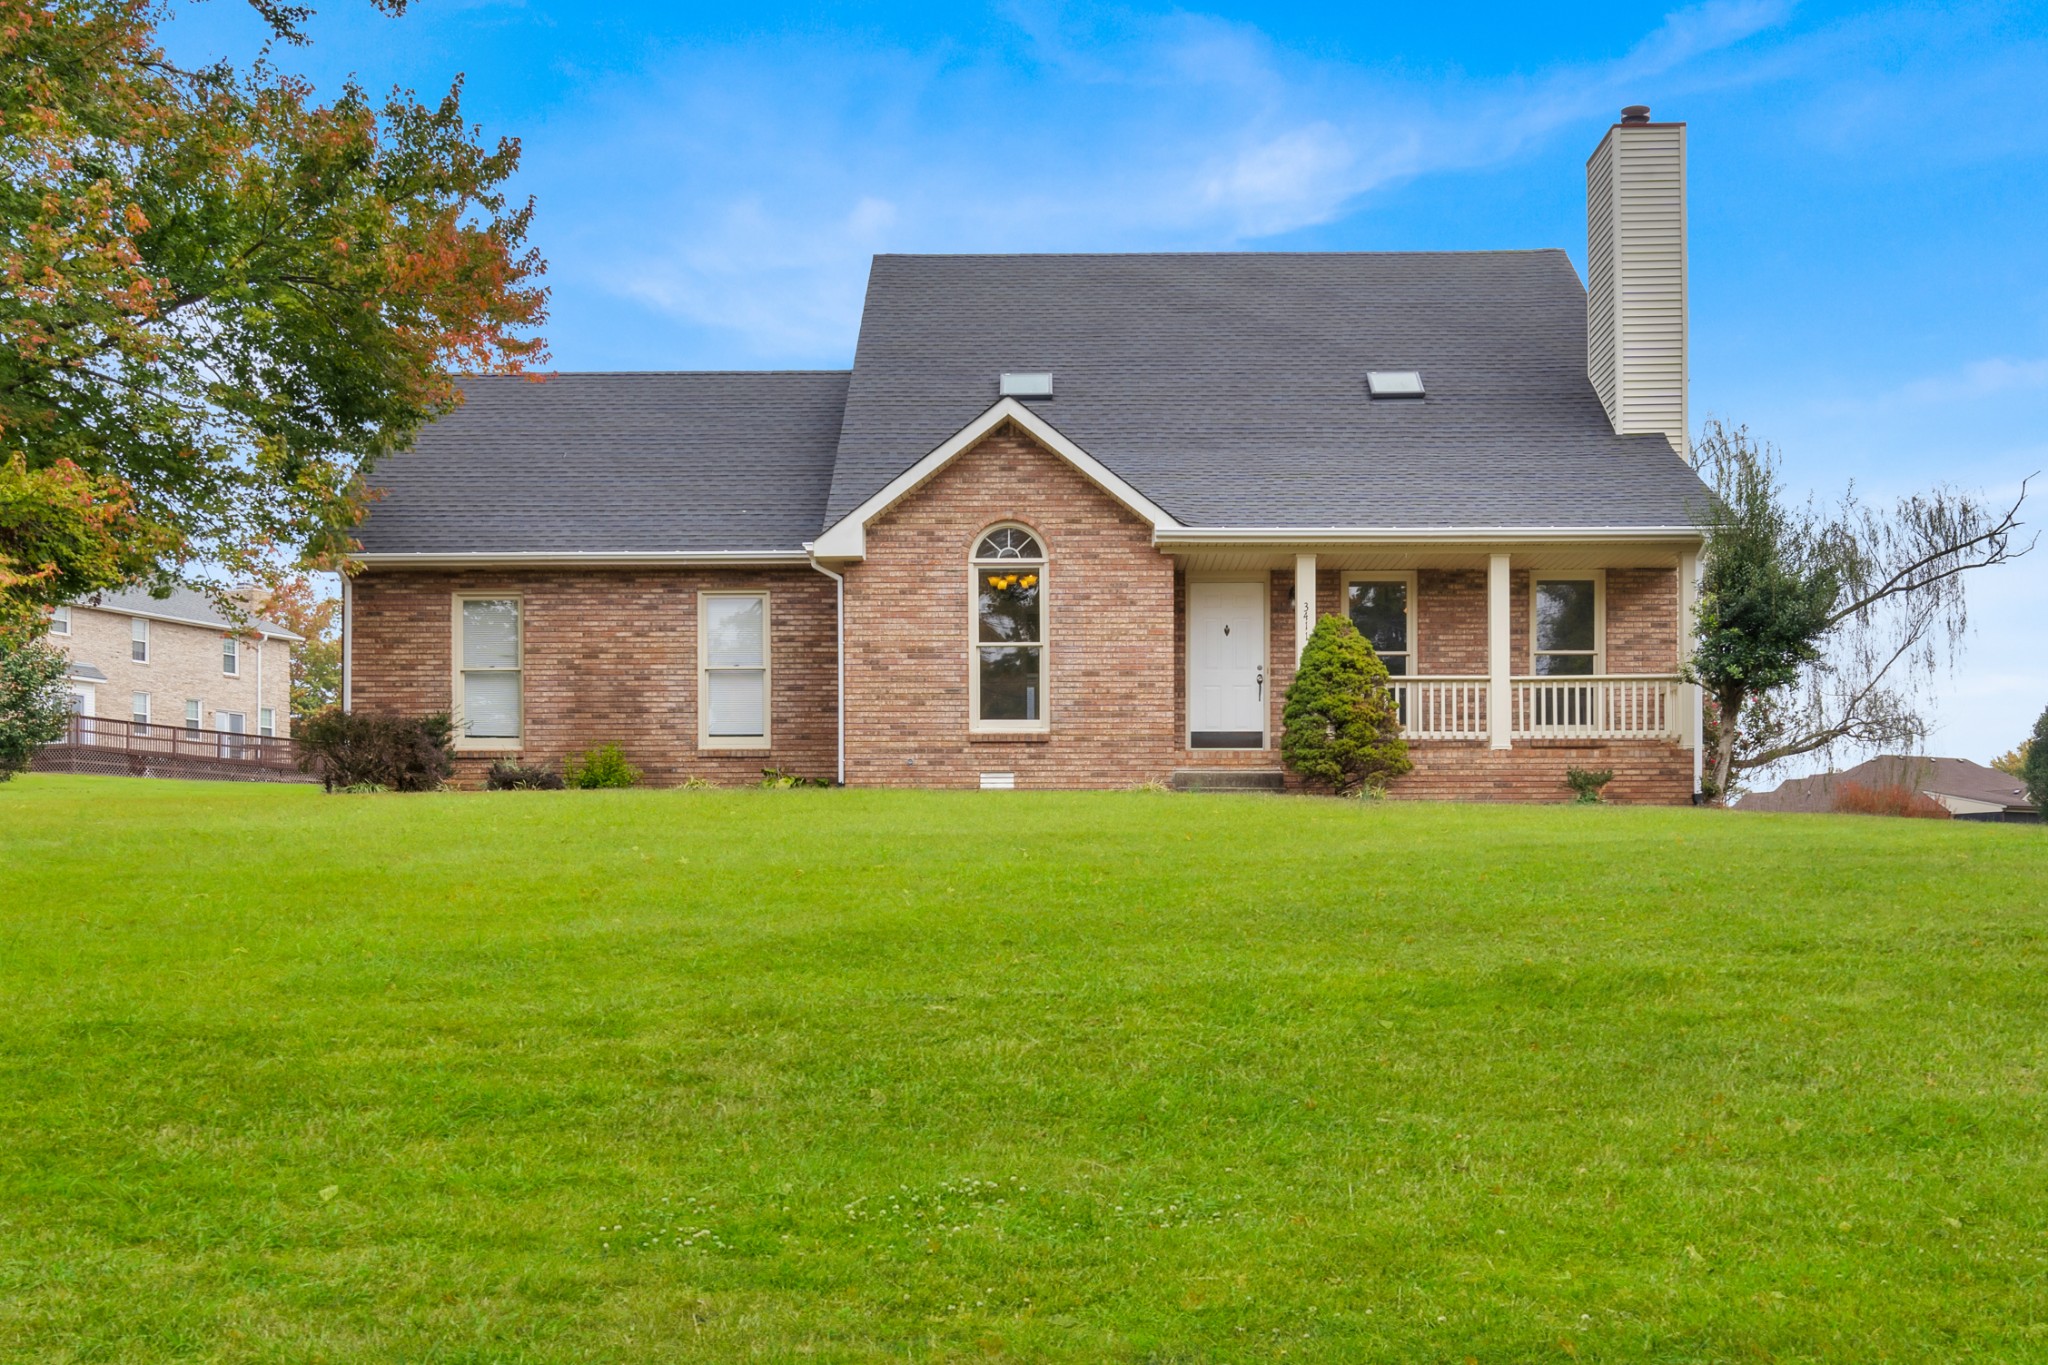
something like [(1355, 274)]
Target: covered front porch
[(1508, 659)]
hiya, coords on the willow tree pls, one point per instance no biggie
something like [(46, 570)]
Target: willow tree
[(1825, 626), (223, 298)]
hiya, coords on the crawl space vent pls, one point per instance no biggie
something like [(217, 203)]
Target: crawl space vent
[(999, 782)]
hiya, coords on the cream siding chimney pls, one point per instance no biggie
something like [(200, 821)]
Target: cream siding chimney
[(1635, 276)]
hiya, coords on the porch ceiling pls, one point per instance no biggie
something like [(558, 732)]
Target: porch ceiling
[(1428, 555)]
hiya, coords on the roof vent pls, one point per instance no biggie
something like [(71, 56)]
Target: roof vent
[(1026, 384), (1394, 383), (1635, 113)]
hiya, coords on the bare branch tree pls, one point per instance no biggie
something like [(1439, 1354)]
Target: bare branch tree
[(1826, 628)]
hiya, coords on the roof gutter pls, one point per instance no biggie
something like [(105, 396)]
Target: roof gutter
[(1168, 536), (583, 559)]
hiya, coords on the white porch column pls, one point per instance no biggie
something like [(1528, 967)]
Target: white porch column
[(1499, 645), (1304, 602), (1688, 637)]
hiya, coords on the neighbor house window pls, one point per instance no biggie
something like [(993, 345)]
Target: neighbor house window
[(266, 721), (231, 656), (732, 663), (138, 639), (1006, 670), (1382, 606), (138, 708), (192, 713), (60, 620), (488, 652), (1565, 633)]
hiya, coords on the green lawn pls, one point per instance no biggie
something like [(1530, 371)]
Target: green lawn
[(809, 1075)]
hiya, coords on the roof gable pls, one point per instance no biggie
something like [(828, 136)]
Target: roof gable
[(846, 538)]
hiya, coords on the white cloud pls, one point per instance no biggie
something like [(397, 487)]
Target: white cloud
[(1979, 379), (751, 183)]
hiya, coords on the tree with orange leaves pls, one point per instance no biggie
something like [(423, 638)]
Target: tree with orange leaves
[(222, 300)]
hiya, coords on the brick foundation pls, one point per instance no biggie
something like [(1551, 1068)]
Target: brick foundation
[(1645, 773)]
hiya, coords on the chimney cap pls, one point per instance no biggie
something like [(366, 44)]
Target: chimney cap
[(1635, 113)]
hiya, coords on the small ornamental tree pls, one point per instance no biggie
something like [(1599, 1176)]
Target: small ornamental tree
[(35, 705), (2034, 768), (1343, 727)]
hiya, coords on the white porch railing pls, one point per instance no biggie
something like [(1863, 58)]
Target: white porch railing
[(1605, 707), (1441, 708), (1609, 707)]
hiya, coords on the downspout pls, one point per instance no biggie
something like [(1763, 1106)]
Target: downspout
[(348, 644), (839, 614)]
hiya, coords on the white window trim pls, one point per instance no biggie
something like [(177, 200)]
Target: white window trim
[(147, 702), (225, 671), (491, 743), (736, 743), (267, 729), (975, 724), (195, 714), (1408, 576), (60, 620), (134, 640), (1598, 578), (1187, 729)]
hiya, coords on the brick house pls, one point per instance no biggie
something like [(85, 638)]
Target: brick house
[(1068, 520)]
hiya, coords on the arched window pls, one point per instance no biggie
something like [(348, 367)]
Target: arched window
[(1006, 670)]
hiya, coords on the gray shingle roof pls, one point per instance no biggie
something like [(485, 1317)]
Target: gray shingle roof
[(616, 462), (1230, 388), (183, 604)]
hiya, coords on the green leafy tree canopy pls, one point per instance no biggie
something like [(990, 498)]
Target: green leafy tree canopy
[(222, 299)]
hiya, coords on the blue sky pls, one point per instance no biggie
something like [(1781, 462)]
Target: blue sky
[(1869, 187)]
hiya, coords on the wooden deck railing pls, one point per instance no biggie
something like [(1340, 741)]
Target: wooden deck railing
[(1609, 706), (105, 734)]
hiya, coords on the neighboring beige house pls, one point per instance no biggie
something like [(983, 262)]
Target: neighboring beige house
[(176, 661)]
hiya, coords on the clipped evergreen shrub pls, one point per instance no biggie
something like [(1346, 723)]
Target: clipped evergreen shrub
[(521, 777), (1343, 727), (599, 768), (355, 750)]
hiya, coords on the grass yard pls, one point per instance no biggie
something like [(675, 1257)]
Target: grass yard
[(661, 1076)]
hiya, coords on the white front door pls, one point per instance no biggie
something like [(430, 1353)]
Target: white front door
[(1226, 665)]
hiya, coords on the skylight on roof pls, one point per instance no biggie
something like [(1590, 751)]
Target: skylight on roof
[(1394, 383), (1026, 384)]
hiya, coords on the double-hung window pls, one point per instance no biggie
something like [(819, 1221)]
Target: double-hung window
[(191, 713), (60, 620), (1565, 633), (138, 708), (1006, 667), (489, 695), (231, 656), (732, 670), (266, 721), (138, 639), (1382, 606)]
